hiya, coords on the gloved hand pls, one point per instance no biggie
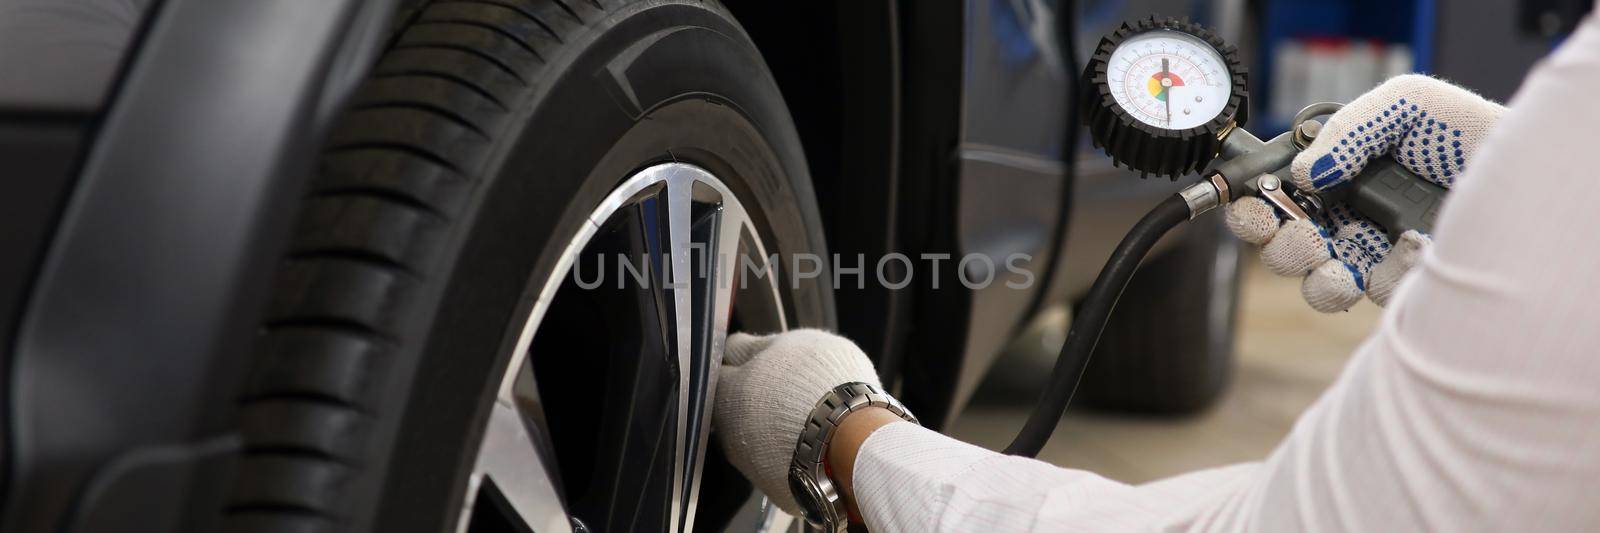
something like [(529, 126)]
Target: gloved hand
[(767, 388), (1429, 126)]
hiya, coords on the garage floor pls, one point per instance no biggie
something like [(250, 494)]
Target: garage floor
[(1287, 355)]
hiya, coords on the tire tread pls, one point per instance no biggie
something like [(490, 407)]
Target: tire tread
[(393, 178)]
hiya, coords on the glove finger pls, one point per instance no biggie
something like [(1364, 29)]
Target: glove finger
[(1296, 248), (1356, 245), (1446, 125), (1430, 126), (1252, 219), (1333, 286), (1357, 240), (1387, 275), (741, 347), (1363, 129)]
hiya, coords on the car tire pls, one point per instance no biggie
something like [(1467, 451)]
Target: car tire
[(487, 134), (1168, 348)]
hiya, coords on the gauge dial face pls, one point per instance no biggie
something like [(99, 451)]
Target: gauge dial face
[(1169, 79)]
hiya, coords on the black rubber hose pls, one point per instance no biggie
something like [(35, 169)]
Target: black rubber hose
[(1090, 319)]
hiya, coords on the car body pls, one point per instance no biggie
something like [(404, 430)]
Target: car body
[(156, 151)]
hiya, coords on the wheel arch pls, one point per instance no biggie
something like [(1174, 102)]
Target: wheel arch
[(838, 66)]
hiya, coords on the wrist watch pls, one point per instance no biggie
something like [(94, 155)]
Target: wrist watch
[(822, 505)]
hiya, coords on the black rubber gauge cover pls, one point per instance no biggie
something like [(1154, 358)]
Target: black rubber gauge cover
[(1150, 149)]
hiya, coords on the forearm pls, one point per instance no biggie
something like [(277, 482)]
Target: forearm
[(910, 468), (908, 478), (903, 477)]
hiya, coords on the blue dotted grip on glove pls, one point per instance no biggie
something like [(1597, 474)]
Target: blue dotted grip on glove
[(1427, 146)]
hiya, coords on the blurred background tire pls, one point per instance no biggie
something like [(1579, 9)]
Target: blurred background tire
[(1168, 348)]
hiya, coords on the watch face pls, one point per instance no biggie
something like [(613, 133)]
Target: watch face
[(807, 494)]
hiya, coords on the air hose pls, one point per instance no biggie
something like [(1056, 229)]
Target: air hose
[(1090, 320)]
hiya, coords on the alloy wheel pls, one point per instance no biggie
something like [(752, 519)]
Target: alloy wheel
[(601, 419)]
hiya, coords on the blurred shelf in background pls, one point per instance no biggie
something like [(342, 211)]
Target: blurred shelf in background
[(1334, 50)]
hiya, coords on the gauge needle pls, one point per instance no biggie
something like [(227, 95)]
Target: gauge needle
[(1166, 88)]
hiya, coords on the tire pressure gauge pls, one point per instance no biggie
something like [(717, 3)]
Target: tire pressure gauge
[(1162, 93)]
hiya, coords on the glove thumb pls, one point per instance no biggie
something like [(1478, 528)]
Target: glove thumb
[(1387, 274)]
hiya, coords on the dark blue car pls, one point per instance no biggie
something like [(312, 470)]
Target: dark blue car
[(468, 265)]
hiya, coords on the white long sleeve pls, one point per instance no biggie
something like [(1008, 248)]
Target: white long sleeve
[(1473, 406)]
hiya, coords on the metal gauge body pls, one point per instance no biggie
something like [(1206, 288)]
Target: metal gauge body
[(1161, 95)]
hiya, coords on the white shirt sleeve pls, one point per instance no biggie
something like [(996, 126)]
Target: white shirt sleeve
[(1474, 405)]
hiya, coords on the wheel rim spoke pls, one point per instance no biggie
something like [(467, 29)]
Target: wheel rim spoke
[(691, 231), (513, 463), (679, 206)]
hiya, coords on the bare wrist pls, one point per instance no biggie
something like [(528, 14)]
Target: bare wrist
[(853, 431)]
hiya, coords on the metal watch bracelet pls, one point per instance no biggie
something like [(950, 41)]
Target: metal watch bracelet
[(824, 507)]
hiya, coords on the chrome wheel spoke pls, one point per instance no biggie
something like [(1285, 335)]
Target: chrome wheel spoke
[(680, 193), (704, 229), (511, 470)]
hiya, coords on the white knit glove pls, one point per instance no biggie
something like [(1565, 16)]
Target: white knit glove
[(767, 389), (1429, 126)]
